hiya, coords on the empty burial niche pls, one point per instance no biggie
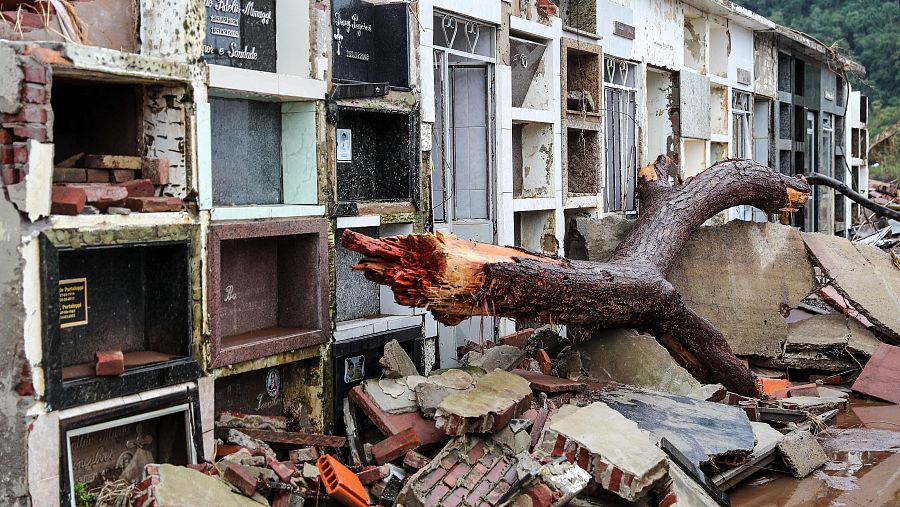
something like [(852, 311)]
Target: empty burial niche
[(377, 157), (582, 81), (120, 118), (583, 161), (266, 288), (536, 231), (784, 120), (718, 109), (695, 43), (532, 74), (532, 160), (785, 72), (694, 157), (133, 298), (579, 14)]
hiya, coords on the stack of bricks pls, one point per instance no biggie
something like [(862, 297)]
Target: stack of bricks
[(32, 119), (469, 472)]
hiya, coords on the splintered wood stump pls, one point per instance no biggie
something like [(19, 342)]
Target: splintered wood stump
[(456, 279)]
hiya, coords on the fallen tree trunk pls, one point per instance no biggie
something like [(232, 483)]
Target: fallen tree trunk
[(457, 279), (882, 211)]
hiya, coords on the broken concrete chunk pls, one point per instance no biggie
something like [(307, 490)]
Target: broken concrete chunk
[(504, 357), (242, 439), (865, 275), (801, 453), (431, 391), (819, 332), (565, 478), (862, 342), (760, 269), (179, 486), (621, 458), (396, 361), (627, 357), (881, 376), (497, 398), (391, 395)]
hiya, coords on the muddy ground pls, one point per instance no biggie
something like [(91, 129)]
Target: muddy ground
[(863, 467)]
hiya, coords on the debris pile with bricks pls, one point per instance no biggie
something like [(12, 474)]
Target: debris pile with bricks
[(535, 420)]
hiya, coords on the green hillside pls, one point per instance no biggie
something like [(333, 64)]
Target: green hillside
[(867, 30)]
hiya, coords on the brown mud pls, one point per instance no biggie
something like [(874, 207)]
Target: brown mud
[(863, 467)]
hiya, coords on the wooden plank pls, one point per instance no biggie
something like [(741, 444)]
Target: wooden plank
[(293, 438), (881, 376)]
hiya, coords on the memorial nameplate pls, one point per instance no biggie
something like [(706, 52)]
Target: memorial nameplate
[(370, 42), (73, 306), (103, 455), (241, 33)]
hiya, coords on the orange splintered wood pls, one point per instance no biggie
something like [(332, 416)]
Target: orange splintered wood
[(440, 272)]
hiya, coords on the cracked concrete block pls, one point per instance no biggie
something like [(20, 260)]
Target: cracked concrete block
[(396, 362), (497, 398), (184, 486), (432, 391), (801, 453), (740, 276), (604, 235), (504, 357), (10, 80), (626, 357), (863, 274), (819, 332), (622, 458), (391, 395)]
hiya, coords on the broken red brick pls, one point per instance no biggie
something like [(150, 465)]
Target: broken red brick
[(64, 175), (30, 113), (415, 461), (541, 495), (46, 55), (831, 380), (156, 170), (11, 175), (32, 131), (371, 475), (153, 204), (543, 361), (241, 478), (281, 470), (391, 424), (304, 454), (67, 200), (517, 339), (6, 136), (96, 176), (35, 72), (223, 450), (395, 446), (138, 188), (549, 383), (110, 363)]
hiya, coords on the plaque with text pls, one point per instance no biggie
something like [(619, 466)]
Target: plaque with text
[(255, 392), (241, 33), (370, 42), (73, 308)]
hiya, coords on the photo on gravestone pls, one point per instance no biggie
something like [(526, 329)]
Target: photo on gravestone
[(370, 42), (384, 147), (241, 33), (139, 303), (246, 152)]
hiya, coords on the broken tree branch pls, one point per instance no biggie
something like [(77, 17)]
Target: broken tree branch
[(456, 279), (882, 211)]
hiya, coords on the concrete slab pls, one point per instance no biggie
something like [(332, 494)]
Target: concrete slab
[(432, 391), (396, 362), (391, 395), (701, 430), (865, 275), (180, 486), (739, 276), (504, 357), (627, 357), (802, 453), (763, 454), (881, 376), (621, 449), (819, 332), (497, 398)]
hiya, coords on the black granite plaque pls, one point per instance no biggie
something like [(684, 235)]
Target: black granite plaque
[(241, 33), (371, 42), (246, 152), (255, 392)]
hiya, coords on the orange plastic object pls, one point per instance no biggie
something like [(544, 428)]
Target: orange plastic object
[(340, 483), (543, 360), (768, 386)]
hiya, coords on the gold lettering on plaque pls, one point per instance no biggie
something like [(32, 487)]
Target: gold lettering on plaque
[(73, 302)]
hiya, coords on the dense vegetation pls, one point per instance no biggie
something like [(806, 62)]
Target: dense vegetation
[(867, 30)]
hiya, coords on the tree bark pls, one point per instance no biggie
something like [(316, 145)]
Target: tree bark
[(882, 211), (457, 279)]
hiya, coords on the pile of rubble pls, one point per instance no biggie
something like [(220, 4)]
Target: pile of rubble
[(518, 425)]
